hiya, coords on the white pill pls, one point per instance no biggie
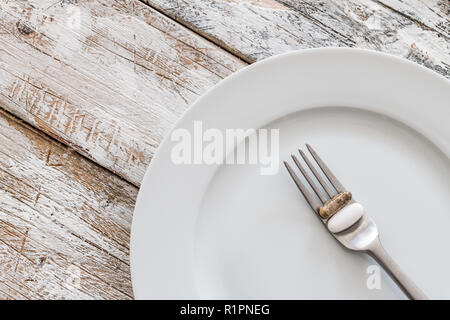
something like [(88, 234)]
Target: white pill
[(345, 217)]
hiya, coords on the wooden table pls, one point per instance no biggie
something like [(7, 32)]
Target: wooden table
[(88, 89)]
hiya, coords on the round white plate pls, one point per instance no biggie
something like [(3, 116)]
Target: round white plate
[(221, 232)]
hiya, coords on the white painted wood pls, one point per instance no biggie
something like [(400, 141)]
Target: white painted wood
[(110, 87), (60, 212), (256, 29)]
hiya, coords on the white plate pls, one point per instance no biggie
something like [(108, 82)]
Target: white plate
[(380, 122)]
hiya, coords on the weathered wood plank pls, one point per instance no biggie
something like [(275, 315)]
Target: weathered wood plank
[(431, 14), (108, 78), (63, 218), (256, 29)]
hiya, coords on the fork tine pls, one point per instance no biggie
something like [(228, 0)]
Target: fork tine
[(316, 174), (334, 181), (319, 192), (313, 202)]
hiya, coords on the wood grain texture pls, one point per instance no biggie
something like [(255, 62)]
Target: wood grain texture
[(418, 30), (62, 218), (108, 78)]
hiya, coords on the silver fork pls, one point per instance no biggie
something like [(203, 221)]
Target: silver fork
[(362, 235)]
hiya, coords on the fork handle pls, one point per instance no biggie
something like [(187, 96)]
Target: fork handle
[(392, 268)]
